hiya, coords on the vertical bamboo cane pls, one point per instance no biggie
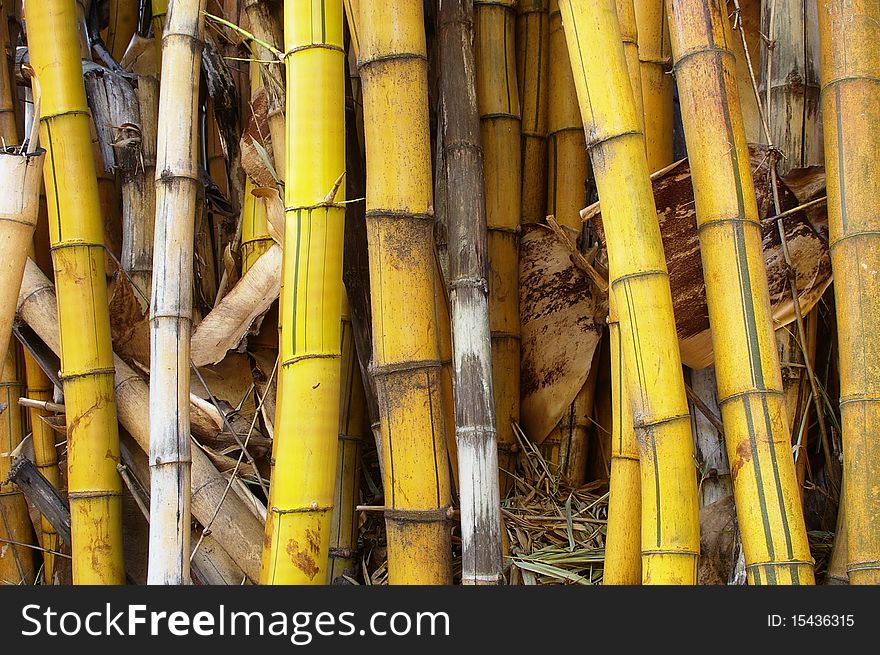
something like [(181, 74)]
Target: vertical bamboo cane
[(657, 83), (849, 32), (393, 68), (746, 360), (159, 11), (670, 526), (122, 26), (468, 269), (177, 187), (8, 129), (498, 100), (533, 69), (16, 561), (39, 387), (307, 415), (94, 486), (626, 19), (255, 237), (352, 419)]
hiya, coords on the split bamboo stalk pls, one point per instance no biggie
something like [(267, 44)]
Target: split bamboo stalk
[(352, 420), (40, 387), (567, 157), (177, 188), (670, 525), (16, 561), (8, 129), (232, 523), (623, 565), (122, 26), (533, 69), (849, 33), (94, 486), (21, 179), (746, 360), (792, 28), (657, 84), (468, 269), (307, 415), (498, 101), (393, 69)]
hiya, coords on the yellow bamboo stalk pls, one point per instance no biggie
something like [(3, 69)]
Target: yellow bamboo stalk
[(352, 420), (16, 561), (498, 102), (255, 237), (567, 157), (94, 486), (626, 19), (533, 69), (307, 415), (159, 11), (8, 129), (122, 26), (393, 69), (850, 71), (40, 387), (746, 360), (670, 526), (657, 84)]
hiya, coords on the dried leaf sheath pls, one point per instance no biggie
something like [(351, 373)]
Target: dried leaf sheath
[(849, 34), (177, 187), (498, 102), (76, 234), (393, 69), (670, 530), (307, 411), (746, 361)]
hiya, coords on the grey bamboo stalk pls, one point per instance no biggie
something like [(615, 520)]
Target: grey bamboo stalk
[(468, 265), (177, 184)]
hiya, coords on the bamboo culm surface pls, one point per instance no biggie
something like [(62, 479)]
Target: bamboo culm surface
[(640, 282), (850, 71), (393, 69), (468, 268), (746, 360), (76, 234)]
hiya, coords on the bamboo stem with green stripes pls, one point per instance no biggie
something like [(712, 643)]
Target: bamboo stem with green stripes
[(393, 69), (76, 232), (850, 71), (749, 381), (301, 494), (638, 276)]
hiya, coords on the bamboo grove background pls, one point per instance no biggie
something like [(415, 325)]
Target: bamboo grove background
[(439, 292)]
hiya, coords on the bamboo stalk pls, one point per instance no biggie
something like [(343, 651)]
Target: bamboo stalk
[(623, 565), (94, 486), (16, 562), (159, 12), (8, 128), (307, 415), (657, 84), (177, 187), (746, 360), (40, 387), (122, 26), (352, 420), (255, 237), (230, 520), (851, 111), (533, 70), (498, 102), (626, 19), (670, 527), (393, 69), (475, 429)]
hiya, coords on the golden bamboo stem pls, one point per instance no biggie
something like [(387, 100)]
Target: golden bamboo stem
[(533, 72), (393, 69), (122, 26), (40, 387), (849, 32), (16, 561), (626, 19), (655, 58), (307, 414), (94, 486), (746, 360), (352, 420), (670, 526), (498, 102)]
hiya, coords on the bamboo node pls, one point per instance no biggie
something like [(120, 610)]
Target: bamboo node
[(314, 507)]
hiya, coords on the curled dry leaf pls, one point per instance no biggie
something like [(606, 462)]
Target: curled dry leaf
[(559, 329)]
